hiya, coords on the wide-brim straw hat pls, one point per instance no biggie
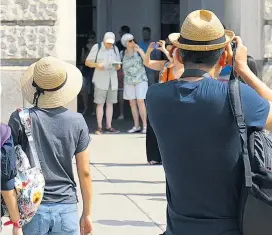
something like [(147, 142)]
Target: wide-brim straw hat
[(58, 81), (202, 31)]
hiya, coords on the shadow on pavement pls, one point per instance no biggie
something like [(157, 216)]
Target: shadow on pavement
[(126, 223), (136, 194), (120, 164), (119, 181)]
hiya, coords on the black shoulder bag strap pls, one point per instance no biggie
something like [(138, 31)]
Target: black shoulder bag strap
[(237, 109), (99, 47)]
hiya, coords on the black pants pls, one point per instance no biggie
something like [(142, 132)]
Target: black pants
[(152, 149)]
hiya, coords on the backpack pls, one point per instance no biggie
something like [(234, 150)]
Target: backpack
[(29, 181), (87, 71), (8, 159), (256, 196)]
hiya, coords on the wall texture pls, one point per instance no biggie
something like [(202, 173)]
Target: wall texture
[(30, 30), (267, 16)]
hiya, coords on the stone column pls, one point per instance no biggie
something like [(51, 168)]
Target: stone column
[(267, 34)]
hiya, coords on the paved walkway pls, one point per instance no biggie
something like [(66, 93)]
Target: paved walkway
[(129, 196)]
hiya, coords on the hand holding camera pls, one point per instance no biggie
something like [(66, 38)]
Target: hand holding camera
[(240, 60)]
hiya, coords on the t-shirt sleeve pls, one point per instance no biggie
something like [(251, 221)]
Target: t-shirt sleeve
[(84, 136), (16, 128), (256, 108), (93, 53)]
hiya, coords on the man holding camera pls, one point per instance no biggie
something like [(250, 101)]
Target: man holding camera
[(200, 145)]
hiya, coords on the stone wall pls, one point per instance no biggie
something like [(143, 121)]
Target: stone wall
[(267, 70), (30, 30)]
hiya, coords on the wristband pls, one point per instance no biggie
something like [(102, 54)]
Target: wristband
[(18, 224)]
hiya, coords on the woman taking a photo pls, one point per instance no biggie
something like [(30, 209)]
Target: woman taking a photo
[(170, 69), (135, 81)]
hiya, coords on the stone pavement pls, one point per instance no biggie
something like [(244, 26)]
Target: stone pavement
[(128, 195)]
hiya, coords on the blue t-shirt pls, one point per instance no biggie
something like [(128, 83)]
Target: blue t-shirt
[(226, 70), (199, 145)]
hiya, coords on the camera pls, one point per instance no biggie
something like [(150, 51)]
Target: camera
[(233, 45)]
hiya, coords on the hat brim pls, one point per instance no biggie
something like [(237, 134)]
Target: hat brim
[(111, 41), (54, 99), (174, 38)]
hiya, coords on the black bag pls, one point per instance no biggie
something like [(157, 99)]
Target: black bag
[(88, 72), (256, 196)]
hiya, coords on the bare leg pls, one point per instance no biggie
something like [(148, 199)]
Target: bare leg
[(109, 113), (135, 113), (142, 111), (99, 114)]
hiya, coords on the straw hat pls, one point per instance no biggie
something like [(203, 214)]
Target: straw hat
[(202, 31), (51, 83)]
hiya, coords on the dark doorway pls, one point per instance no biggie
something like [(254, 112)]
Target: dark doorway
[(86, 23), (170, 17)]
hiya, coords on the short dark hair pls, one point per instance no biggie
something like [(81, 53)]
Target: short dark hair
[(208, 58), (146, 29), (125, 29)]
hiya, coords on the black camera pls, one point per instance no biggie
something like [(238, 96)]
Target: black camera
[(233, 45)]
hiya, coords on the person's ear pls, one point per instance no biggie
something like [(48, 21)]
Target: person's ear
[(223, 59)]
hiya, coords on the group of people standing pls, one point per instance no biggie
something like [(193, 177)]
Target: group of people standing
[(124, 70)]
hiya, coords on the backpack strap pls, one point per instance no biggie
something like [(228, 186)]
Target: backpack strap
[(24, 115), (237, 109), (99, 47), (114, 48)]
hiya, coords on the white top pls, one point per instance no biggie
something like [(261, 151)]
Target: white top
[(107, 77)]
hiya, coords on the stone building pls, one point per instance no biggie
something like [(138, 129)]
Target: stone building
[(31, 29)]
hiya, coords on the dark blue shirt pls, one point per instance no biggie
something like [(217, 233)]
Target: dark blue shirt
[(8, 165), (199, 144)]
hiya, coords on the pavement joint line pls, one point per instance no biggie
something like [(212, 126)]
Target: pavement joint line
[(130, 199)]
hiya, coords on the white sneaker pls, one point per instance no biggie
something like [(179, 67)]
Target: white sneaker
[(134, 130), (144, 130)]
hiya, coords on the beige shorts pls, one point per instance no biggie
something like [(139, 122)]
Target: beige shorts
[(103, 96)]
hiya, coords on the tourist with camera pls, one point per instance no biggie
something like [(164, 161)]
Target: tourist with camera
[(197, 133)]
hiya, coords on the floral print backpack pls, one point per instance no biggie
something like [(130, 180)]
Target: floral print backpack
[(29, 181)]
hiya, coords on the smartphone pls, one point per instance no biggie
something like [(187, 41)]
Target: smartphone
[(155, 46)]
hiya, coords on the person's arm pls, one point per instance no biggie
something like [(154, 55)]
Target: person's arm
[(82, 155), (140, 51), (163, 49), (8, 173), (118, 57), (10, 198), (84, 175), (251, 79), (153, 64), (90, 60)]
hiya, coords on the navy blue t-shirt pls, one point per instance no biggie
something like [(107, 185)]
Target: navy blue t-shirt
[(199, 144)]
